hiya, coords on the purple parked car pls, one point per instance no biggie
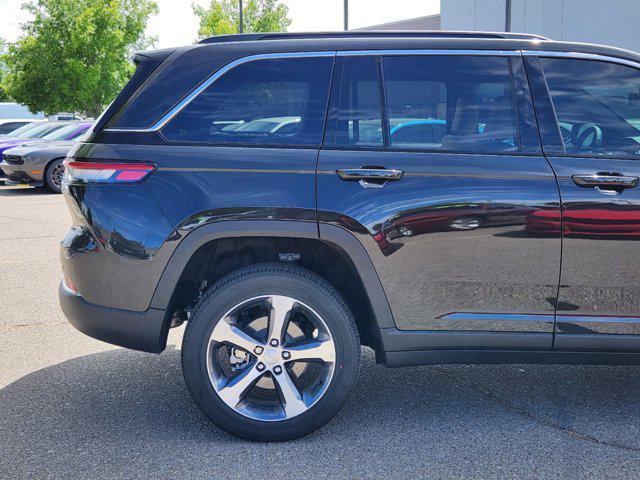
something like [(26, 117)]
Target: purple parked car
[(45, 132)]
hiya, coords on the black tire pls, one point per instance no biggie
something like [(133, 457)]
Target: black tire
[(251, 282), (49, 181)]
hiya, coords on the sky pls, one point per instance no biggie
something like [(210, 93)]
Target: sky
[(176, 25)]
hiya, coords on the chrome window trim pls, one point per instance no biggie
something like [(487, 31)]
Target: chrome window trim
[(166, 118), (581, 56), (211, 79)]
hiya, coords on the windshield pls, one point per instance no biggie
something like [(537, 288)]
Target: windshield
[(64, 132), (23, 129), (81, 133), (41, 130)]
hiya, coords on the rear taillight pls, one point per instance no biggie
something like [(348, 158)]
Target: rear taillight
[(106, 172)]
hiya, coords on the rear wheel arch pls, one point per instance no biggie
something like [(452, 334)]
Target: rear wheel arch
[(45, 172), (50, 162), (339, 247)]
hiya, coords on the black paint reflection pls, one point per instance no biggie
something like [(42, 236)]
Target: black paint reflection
[(450, 235), (446, 218), (600, 259), (589, 220)]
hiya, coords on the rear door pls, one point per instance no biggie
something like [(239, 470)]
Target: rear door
[(595, 152), (433, 161)]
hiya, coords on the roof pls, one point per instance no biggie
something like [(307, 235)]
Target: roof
[(182, 68), (229, 47), (367, 33)]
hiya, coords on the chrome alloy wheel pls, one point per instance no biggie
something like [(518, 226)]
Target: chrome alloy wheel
[(56, 176), (270, 358)]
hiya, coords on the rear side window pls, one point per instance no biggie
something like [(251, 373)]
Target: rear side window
[(597, 105), (273, 101), (451, 103)]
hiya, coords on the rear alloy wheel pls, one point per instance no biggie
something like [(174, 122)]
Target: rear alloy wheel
[(53, 176), (466, 223), (271, 352)]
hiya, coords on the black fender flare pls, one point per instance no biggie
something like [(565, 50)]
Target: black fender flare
[(338, 236)]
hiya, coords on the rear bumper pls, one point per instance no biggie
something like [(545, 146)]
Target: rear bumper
[(146, 331)]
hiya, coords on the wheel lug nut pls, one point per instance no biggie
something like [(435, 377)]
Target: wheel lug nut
[(260, 366), (258, 350), (273, 343), (286, 355), (277, 370)]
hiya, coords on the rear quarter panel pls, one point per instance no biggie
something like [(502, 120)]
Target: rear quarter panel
[(134, 229)]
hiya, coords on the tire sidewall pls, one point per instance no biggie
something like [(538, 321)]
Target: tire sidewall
[(212, 311), (48, 177)]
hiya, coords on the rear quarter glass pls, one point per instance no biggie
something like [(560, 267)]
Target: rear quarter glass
[(276, 101)]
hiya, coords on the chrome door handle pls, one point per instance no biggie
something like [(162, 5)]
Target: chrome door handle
[(605, 181), (379, 174)]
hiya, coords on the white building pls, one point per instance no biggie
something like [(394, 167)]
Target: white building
[(608, 22)]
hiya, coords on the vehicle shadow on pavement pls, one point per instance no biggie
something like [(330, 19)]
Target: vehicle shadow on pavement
[(9, 191), (127, 414)]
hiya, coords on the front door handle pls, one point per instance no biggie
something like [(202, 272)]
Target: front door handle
[(605, 181), (370, 177)]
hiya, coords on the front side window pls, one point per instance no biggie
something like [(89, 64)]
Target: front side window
[(271, 101), (450, 103), (597, 105)]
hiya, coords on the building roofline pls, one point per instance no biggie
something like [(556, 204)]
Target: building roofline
[(384, 26)]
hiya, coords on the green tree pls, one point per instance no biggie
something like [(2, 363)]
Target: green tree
[(222, 17), (74, 54), (3, 71)]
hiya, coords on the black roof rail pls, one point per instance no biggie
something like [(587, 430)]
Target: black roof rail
[(245, 37)]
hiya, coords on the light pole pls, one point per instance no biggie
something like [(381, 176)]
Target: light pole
[(240, 26), (346, 15), (507, 16)]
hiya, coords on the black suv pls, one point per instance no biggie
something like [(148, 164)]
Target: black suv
[(440, 197)]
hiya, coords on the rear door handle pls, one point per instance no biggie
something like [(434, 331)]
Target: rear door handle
[(605, 181), (370, 177)]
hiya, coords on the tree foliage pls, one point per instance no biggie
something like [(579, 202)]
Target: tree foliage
[(223, 17), (74, 55), (3, 71)]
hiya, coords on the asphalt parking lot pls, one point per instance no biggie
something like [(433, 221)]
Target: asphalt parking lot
[(72, 407)]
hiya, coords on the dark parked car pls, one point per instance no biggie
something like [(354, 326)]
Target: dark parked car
[(45, 132), (264, 240), (31, 132), (38, 161), (37, 165)]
